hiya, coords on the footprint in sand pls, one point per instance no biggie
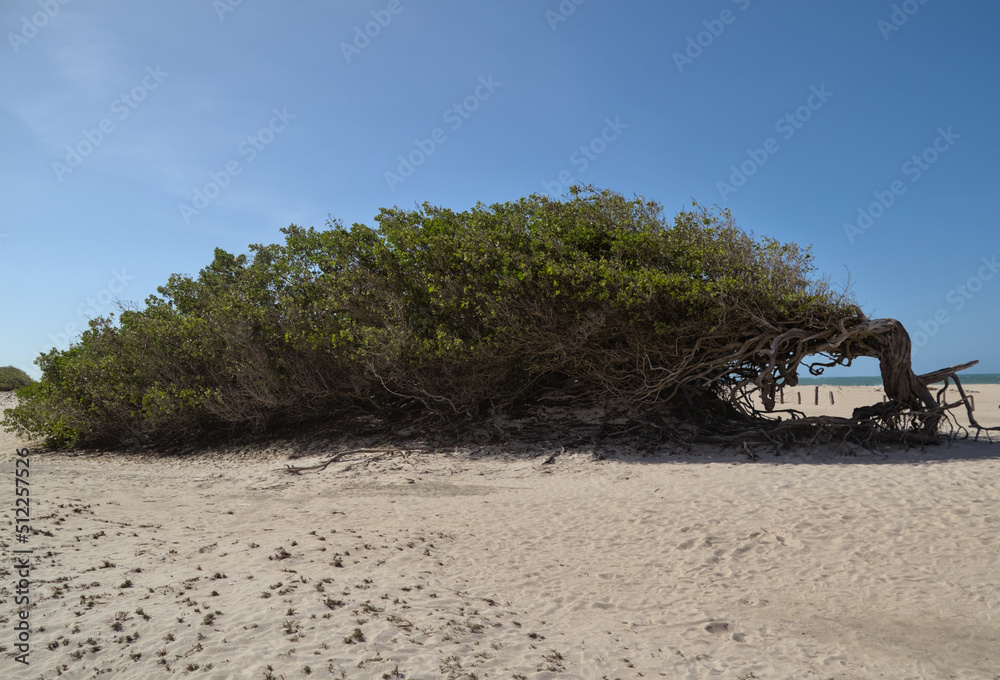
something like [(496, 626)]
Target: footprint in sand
[(717, 627)]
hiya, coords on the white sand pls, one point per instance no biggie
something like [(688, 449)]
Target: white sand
[(694, 565), (848, 397)]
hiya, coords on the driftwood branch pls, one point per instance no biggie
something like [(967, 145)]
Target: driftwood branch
[(340, 455)]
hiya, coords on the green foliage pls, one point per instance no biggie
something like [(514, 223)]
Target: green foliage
[(448, 312), (11, 378)]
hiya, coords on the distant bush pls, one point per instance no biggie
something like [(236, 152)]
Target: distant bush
[(433, 311), (12, 378)]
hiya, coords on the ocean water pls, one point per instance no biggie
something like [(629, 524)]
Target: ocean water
[(966, 378)]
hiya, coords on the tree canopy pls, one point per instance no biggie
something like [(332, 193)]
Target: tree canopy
[(457, 315)]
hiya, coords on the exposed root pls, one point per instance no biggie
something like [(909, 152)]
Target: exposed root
[(912, 416), (714, 402)]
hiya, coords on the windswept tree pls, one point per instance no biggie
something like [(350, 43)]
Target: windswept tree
[(459, 315)]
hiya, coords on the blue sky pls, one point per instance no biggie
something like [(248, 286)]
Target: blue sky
[(137, 137)]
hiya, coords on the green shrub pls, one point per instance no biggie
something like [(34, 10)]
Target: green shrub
[(444, 312), (11, 378)]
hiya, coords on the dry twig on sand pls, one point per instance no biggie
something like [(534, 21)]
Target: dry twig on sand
[(340, 455)]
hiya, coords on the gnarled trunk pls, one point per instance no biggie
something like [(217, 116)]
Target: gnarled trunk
[(901, 384), (912, 415)]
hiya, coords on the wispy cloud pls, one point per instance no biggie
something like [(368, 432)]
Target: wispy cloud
[(77, 61)]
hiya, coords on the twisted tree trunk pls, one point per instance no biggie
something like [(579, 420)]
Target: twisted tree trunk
[(912, 414), (901, 384)]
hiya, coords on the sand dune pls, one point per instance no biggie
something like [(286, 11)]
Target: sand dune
[(697, 564)]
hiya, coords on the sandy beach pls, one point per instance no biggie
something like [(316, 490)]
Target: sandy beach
[(514, 563)]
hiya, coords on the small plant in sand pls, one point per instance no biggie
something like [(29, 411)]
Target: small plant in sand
[(356, 636), (553, 662)]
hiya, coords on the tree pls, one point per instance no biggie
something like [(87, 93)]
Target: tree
[(454, 316)]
